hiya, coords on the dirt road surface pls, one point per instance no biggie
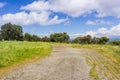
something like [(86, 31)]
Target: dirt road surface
[(65, 63)]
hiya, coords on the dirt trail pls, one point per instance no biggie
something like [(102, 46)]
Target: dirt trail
[(65, 63)]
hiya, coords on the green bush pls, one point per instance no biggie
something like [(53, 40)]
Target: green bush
[(115, 43)]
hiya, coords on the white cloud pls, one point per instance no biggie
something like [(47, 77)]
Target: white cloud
[(112, 32), (108, 8), (24, 18), (40, 11), (72, 8), (97, 22), (55, 20), (38, 14), (89, 22), (2, 4), (76, 8), (37, 6)]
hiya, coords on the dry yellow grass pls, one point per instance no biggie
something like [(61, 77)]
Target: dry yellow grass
[(106, 62)]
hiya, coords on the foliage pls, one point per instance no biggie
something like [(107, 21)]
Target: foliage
[(83, 40), (89, 40), (14, 32), (59, 37), (1, 37), (115, 43), (35, 38), (11, 32), (29, 37), (103, 40), (95, 40), (45, 39)]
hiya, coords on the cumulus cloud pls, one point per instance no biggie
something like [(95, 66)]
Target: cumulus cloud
[(108, 8), (76, 8), (97, 22), (2, 4), (89, 22), (40, 16), (37, 6), (112, 32), (24, 18), (109, 32), (70, 7), (40, 11)]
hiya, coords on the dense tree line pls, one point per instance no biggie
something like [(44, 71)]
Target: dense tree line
[(29, 37), (115, 42), (89, 40), (14, 32), (59, 37)]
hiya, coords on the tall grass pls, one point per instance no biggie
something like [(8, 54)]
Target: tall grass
[(107, 61), (14, 52)]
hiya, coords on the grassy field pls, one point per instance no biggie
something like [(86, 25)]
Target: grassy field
[(14, 52), (105, 64)]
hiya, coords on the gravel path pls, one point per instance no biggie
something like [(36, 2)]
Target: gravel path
[(65, 63)]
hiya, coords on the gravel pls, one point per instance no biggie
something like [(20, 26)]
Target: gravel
[(65, 63)]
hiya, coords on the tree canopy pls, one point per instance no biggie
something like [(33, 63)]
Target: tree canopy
[(11, 32), (29, 37), (89, 40), (59, 37)]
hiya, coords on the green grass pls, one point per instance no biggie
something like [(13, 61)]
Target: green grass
[(14, 52), (105, 63), (93, 72)]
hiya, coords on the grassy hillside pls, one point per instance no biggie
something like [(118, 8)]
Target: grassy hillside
[(105, 64), (14, 52)]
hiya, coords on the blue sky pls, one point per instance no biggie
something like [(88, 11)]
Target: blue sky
[(76, 17)]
